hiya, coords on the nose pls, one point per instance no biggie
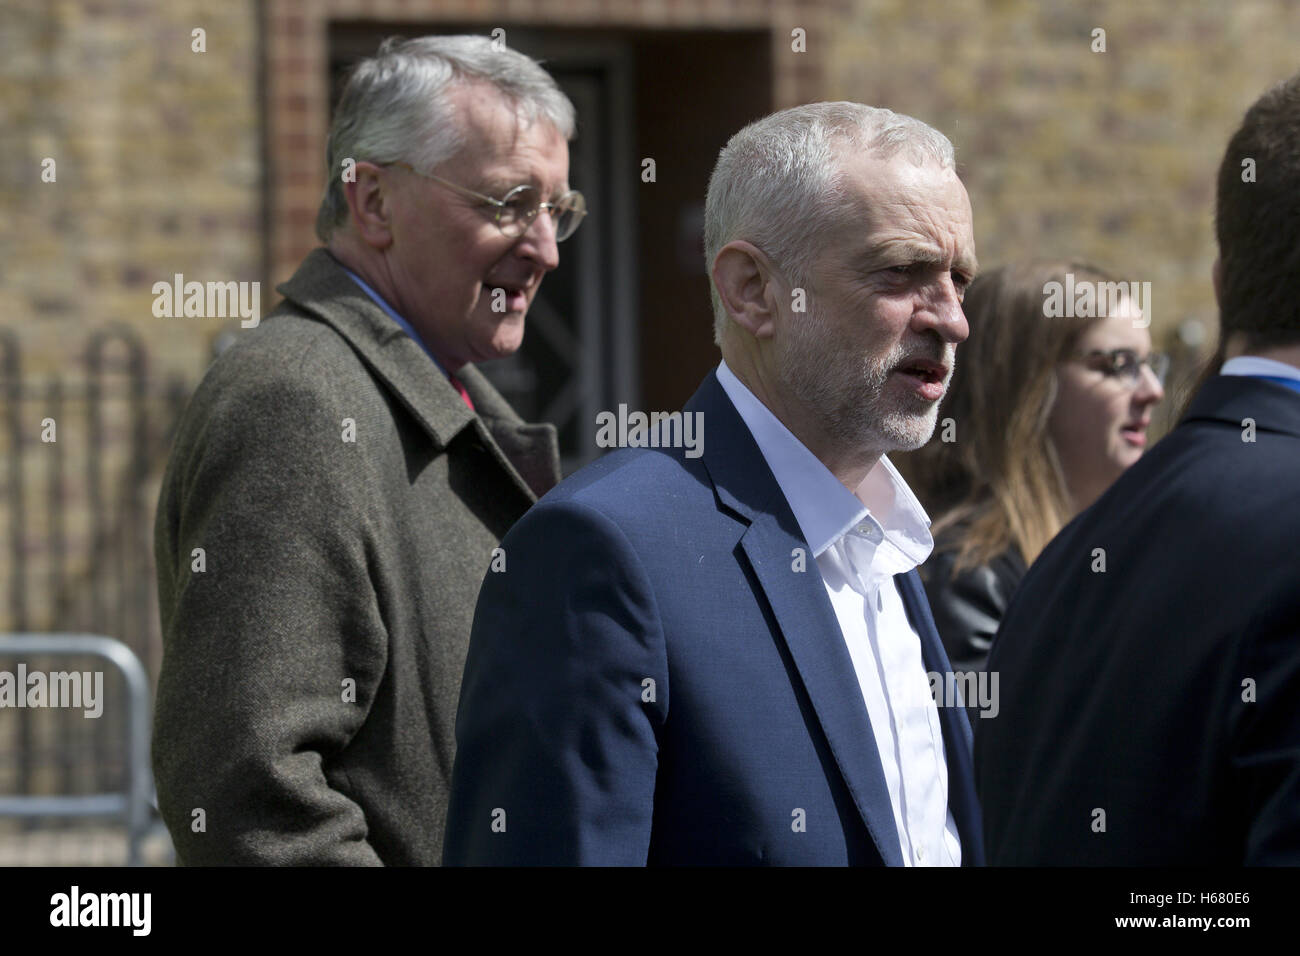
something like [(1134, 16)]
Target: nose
[(538, 241), (942, 313), (1149, 390)]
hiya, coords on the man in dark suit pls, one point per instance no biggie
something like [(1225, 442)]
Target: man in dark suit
[(720, 653), (343, 474), (1150, 661)]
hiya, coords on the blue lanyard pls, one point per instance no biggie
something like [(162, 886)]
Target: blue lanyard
[(1291, 383)]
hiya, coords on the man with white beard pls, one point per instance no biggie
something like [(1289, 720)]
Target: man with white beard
[(724, 659)]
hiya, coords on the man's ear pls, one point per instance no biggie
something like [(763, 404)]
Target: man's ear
[(746, 284), (1216, 273), (370, 205)]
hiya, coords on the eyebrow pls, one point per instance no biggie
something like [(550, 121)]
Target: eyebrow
[(1096, 350), (910, 253), (497, 187)]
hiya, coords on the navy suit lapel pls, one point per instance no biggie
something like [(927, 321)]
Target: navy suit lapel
[(812, 635), (744, 484), (956, 727)]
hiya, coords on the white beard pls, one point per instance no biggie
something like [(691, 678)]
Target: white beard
[(849, 395)]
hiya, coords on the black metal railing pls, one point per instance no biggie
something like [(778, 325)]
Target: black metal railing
[(78, 515)]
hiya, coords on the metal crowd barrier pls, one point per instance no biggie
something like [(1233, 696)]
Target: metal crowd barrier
[(132, 806)]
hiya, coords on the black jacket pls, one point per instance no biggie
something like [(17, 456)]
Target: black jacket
[(968, 606), (1150, 660)]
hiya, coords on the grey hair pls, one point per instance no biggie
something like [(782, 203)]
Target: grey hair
[(395, 107), (777, 182)]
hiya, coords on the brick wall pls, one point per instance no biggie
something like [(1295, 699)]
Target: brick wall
[(158, 172)]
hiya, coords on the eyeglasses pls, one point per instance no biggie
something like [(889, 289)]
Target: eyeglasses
[(516, 212), (1125, 364)]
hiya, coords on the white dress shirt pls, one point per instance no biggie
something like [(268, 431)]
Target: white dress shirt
[(860, 541)]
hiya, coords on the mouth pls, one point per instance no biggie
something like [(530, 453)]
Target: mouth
[(1135, 433), (515, 298), (926, 377)]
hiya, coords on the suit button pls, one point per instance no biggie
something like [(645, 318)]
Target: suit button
[(920, 854)]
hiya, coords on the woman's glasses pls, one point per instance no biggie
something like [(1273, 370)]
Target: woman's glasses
[(1126, 364)]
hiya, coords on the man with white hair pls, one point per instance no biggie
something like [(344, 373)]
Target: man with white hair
[(727, 658), (343, 475)]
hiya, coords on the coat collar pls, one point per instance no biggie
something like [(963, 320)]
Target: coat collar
[(1232, 398), (529, 453)]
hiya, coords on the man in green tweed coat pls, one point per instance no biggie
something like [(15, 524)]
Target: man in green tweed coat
[(343, 474)]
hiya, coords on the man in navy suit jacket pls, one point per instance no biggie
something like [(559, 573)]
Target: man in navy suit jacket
[(719, 651), (1150, 660)]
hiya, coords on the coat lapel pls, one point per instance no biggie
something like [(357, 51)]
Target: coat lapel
[(531, 451), (744, 484), (529, 454)]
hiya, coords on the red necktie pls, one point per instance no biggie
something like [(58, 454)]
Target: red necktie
[(464, 395)]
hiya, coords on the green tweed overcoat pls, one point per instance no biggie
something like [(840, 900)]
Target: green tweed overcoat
[(328, 514)]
